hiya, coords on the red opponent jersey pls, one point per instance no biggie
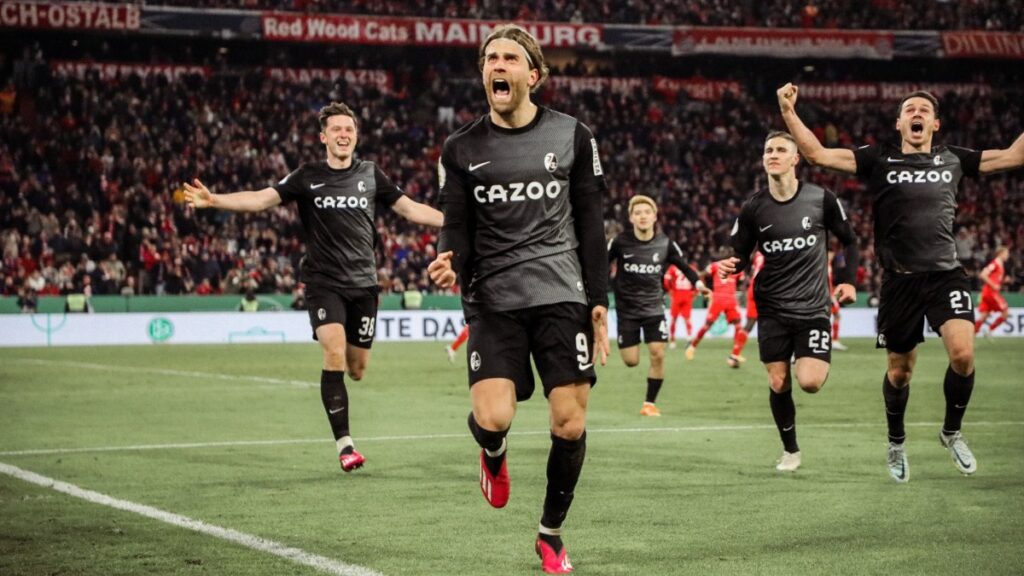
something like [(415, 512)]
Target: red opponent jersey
[(994, 272)]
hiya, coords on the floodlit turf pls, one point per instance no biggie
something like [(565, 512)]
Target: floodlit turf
[(692, 492)]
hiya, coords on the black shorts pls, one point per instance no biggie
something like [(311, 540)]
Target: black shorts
[(780, 338), (907, 299), (353, 308), (654, 328), (559, 336)]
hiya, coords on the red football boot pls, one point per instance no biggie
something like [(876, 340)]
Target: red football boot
[(550, 562), (351, 461), (495, 488)]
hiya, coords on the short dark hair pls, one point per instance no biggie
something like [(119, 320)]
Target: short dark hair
[(520, 36), (780, 134), (336, 109), (920, 94)]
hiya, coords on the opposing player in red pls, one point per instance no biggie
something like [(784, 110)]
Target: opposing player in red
[(836, 317), (682, 291), (723, 301), (452, 348), (756, 263), (991, 284)]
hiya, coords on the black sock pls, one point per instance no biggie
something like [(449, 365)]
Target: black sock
[(335, 399), (784, 412), (653, 387), (895, 408), (564, 464), (489, 440), (958, 393)]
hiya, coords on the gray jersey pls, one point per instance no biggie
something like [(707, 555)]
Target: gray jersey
[(337, 212), (915, 204), (792, 236), (641, 265), (516, 203)]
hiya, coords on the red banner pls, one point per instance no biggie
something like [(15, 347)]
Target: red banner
[(783, 43), (298, 27), (69, 15), (380, 78), (970, 44), (115, 70), (696, 88), (874, 91), (576, 84)]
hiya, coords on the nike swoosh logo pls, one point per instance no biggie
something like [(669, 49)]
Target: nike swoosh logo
[(363, 339), (335, 411), (762, 229), (891, 159), (473, 167), (586, 366), (628, 255), (315, 186)]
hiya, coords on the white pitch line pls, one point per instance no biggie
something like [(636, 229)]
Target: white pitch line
[(321, 563), (231, 443), (165, 372)]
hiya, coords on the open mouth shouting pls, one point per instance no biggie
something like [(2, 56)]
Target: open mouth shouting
[(916, 127), (501, 90)]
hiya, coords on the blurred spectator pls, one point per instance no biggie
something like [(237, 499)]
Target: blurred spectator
[(249, 302)]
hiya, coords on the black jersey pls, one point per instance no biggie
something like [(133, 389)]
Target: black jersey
[(337, 212), (639, 291), (915, 203), (523, 213), (792, 236)]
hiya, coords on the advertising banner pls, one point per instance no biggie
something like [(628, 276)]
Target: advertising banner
[(783, 43)]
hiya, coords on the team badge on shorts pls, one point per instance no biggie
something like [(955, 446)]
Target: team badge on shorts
[(321, 314), (881, 340), (474, 361)]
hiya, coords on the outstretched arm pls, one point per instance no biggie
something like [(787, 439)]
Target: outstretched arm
[(199, 196), (418, 213), (1000, 160), (839, 159)]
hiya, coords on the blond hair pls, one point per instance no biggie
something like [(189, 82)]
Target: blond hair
[(642, 199)]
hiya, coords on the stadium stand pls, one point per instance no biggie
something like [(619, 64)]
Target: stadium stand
[(91, 163)]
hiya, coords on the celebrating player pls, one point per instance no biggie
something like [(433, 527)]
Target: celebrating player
[(914, 188), (789, 222), (640, 255), (337, 199), (522, 191), (992, 284)]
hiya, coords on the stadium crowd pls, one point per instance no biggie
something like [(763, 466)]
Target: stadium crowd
[(91, 169), (876, 14)]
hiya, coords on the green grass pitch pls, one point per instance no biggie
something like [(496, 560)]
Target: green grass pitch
[(236, 436)]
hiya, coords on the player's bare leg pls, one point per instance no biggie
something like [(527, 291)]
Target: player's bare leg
[(739, 340), (691, 350), (780, 399), (334, 394), (896, 392), (630, 356), (958, 337), (568, 408), (494, 407)]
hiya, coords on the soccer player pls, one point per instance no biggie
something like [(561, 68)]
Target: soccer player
[(452, 348), (640, 256), (723, 301), (681, 292), (790, 222), (522, 192), (914, 188), (337, 199), (756, 264), (992, 284)]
